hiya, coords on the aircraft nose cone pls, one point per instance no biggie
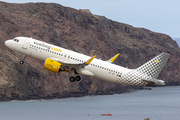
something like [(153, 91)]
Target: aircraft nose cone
[(7, 43)]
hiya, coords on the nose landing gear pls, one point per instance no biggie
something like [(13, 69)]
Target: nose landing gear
[(22, 61)]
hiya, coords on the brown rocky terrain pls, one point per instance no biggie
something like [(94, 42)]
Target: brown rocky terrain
[(80, 31)]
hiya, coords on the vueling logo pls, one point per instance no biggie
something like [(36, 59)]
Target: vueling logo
[(55, 49), (48, 47)]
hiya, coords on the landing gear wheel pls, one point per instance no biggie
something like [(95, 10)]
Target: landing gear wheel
[(71, 79), (21, 62), (78, 78)]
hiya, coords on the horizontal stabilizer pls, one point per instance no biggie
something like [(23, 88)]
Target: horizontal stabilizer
[(148, 81), (154, 82)]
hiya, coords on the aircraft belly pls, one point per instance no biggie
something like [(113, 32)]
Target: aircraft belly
[(35, 54), (23, 52), (104, 75)]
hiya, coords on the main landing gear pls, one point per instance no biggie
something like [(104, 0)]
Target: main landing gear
[(22, 61), (73, 79)]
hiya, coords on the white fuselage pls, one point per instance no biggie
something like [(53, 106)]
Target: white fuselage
[(101, 69)]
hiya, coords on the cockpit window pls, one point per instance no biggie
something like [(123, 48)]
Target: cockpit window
[(16, 40)]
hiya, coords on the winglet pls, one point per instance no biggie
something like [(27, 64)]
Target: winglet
[(113, 58), (89, 61)]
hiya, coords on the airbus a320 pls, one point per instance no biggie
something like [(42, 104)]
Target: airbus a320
[(57, 59)]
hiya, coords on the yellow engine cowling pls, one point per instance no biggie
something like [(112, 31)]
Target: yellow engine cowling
[(52, 65)]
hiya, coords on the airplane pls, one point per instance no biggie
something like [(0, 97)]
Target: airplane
[(57, 59)]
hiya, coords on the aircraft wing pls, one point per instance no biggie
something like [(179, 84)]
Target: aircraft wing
[(74, 65)]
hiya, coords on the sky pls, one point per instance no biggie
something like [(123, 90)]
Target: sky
[(162, 16)]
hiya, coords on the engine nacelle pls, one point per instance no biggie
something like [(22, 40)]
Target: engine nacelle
[(52, 65)]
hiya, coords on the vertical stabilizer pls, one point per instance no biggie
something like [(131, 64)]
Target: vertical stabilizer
[(154, 66)]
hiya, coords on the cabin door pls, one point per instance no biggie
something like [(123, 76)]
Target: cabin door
[(25, 45)]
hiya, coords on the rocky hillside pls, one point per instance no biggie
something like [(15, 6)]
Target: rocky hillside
[(80, 31), (177, 40)]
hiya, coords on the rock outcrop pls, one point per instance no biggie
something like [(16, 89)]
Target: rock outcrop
[(78, 31)]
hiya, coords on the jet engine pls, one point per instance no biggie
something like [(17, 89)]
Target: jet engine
[(52, 65)]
